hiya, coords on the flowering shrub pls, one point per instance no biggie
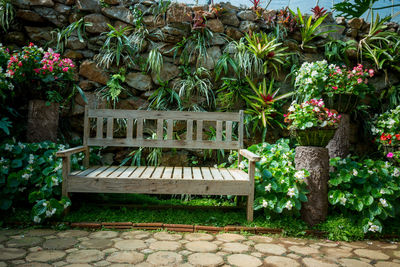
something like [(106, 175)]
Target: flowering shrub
[(279, 186), (311, 114), (387, 127), (5, 85), (31, 171), (311, 78), (366, 190)]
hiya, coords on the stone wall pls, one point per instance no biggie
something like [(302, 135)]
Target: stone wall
[(37, 18)]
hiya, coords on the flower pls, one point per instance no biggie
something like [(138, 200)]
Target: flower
[(25, 176), (36, 219), (355, 172), (289, 205), (389, 155), (50, 213), (300, 175), (343, 200), (396, 172), (383, 202), (31, 158), (8, 147), (264, 203), (268, 188), (291, 192), (373, 228)]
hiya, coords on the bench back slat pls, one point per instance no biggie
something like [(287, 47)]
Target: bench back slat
[(223, 121)]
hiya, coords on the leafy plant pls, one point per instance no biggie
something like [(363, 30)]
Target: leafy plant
[(231, 93), (308, 29), (5, 125), (387, 127), (351, 10), (61, 36), (336, 51), (224, 64), (114, 87), (318, 11), (160, 8), (155, 62), (6, 14), (165, 98), (364, 190)]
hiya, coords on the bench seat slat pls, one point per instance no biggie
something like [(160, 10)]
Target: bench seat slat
[(206, 173), (177, 173), (239, 175), (216, 174), (119, 171), (98, 171), (88, 171), (158, 172), (147, 173), (187, 173), (167, 172), (197, 175), (138, 172), (225, 173), (108, 172), (127, 172)]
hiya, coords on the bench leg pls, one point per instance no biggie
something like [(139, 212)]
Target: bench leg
[(250, 201), (66, 161)]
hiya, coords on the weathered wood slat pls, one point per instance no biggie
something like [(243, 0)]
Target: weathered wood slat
[(228, 131), (189, 130), (119, 171), (216, 174), (98, 171), (86, 126), (170, 129), (197, 175), (167, 172), (160, 129), (206, 173), (76, 172), (205, 144), (187, 173), (219, 131), (88, 171), (152, 114), (110, 128), (138, 172), (129, 129), (199, 125), (128, 171), (239, 175), (148, 172), (177, 173), (240, 134), (226, 174), (108, 172), (99, 127), (139, 129), (158, 173)]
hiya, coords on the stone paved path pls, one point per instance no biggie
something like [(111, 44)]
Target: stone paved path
[(40, 247)]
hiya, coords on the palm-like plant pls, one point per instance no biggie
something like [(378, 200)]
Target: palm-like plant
[(61, 36), (165, 98), (6, 14), (155, 62)]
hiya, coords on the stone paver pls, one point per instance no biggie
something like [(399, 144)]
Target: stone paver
[(80, 248)]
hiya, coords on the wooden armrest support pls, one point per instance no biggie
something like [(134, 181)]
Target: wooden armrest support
[(249, 155), (70, 151)]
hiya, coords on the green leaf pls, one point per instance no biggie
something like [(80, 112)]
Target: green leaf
[(368, 200), (358, 205), (16, 163), (5, 204)]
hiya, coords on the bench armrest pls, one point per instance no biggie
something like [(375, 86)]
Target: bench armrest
[(249, 155), (70, 151)]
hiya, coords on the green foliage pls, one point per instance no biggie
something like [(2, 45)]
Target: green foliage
[(341, 228), (5, 125), (7, 14), (386, 127), (60, 37), (351, 10), (364, 190), (231, 93), (280, 188), (224, 64), (336, 51), (114, 87), (165, 98), (155, 62), (160, 8), (308, 29)]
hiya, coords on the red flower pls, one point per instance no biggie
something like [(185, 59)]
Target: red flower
[(398, 137), (267, 99)]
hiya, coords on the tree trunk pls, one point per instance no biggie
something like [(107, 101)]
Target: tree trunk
[(42, 121), (340, 144), (316, 161)]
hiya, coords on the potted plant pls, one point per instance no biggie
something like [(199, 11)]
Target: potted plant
[(387, 130), (311, 123)]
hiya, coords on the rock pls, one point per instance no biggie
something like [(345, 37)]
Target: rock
[(248, 26), (165, 245), (40, 232), (310, 262), (51, 15), (205, 259), (36, 34), (75, 44), (260, 239), (199, 237), (73, 233), (24, 4), (104, 234), (279, 261), (174, 33), (270, 248), (63, 9), (178, 13), (112, 2), (168, 72), (72, 54), (201, 246), (135, 244), (213, 54), (215, 25), (235, 247), (339, 146), (352, 32), (60, 243), (356, 23), (120, 13), (96, 243), (354, 263), (233, 33), (133, 103), (46, 3), (227, 237), (316, 161), (218, 39), (17, 38), (153, 21), (99, 23), (243, 260), (135, 235), (46, 256), (85, 256), (248, 15), (161, 258), (139, 81), (25, 241), (341, 21), (387, 264), (29, 15), (303, 250), (230, 18), (131, 257), (88, 5), (164, 236), (371, 254), (11, 253), (89, 70)]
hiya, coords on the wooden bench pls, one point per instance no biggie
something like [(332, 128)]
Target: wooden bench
[(161, 180)]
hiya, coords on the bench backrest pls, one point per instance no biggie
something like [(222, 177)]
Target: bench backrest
[(134, 138)]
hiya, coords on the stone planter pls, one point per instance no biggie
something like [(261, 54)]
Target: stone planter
[(318, 137), (339, 146), (342, 103), (42, 121)]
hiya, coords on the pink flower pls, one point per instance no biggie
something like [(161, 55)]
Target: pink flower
[(389, 155), (371, 72), (50, 68), (65, 69), (359, 80), (37, 70), (20, 64), (284, 115), (334, 87)]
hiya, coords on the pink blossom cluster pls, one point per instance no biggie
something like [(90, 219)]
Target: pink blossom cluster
[(349, 80)]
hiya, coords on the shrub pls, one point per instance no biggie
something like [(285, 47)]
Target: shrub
[(279, 186), (365, 190), (387, 127)]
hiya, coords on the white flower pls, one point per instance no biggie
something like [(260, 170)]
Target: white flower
[(396, 172), (343, 200), (268, 188), (387, 164), (291, 192), (282, 181), (291, 108), (5, 167), (8, 147), (355, 172), (289, 205), (22, 189), (230, 158), (382, 191), (383, 202), (264, 203), (314, 73), (2, 160), (263, 160), (55, 181), (299, 175), (66, 205), (50, 213), (241, 165), (373, 228), (44, 204), (31, 158), (22, 146), (316, 109), (36, 219), (370, 172), (26, 176)]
